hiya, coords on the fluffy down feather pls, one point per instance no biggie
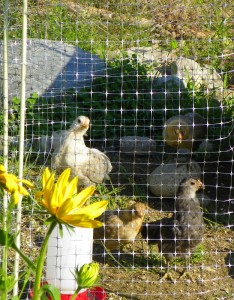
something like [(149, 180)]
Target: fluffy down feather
[(185, 131), (180, 235), (90, 165), (120, 226)]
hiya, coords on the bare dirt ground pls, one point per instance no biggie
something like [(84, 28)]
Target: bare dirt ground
[(141, 279), (136, 273)]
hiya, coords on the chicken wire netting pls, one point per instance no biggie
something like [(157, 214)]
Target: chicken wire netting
[(155, 79)]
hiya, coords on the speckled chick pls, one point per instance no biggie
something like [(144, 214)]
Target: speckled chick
[(121, 226), (90, 165), (185, 131), (180, 235)]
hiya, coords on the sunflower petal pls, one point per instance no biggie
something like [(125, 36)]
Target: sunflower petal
[(49, 187), (70, 189), (45, 177), (27, 183), (79, 199), (16, 196), (63, 179), (62, 185), (2, 169), (62, 201), (93, 210), (23, 191), (52, 202), (87, 223), (73, 204), (11, 185), (64, 209), (38, 194), (45, 204)]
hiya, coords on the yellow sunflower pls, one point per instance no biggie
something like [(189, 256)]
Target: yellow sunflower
[(62, 201), (11, 184)]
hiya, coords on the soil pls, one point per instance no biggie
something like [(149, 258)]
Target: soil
[(136, 272)]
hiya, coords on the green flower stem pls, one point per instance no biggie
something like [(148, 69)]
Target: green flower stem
[(40, 262), (75, 294), (4, 269), (73, 297), (5, 258)]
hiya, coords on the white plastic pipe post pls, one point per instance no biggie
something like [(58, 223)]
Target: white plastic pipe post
[(66, 253)]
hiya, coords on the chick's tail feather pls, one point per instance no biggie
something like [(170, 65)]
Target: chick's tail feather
[(151, 232)]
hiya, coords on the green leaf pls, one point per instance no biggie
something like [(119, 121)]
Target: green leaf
[(60, 230), (49, 220), (6, 239), (16, 100), (6, 283), (15, 298), (174, 44), (24, 278), (51, 290)]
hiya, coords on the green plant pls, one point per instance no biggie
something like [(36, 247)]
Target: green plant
[(126, 101), (196, 257), (123, 102), (198, 254), (65, 22), (14, 113), (65, 206)]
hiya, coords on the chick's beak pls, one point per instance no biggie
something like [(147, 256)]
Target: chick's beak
[(85, 123), (180, 137), (200, 184)]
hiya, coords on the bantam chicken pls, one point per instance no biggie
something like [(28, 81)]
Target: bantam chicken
[(120, 226), (185, 131), (180, 235), (90, 165)]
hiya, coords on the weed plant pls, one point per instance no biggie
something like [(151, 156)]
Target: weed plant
[(126, 101), (198, 29)]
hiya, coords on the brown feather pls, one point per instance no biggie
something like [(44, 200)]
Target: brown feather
[(121, 226), (185, 131)]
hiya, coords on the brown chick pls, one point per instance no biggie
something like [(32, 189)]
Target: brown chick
[(185, 131), (120, 226), (90, 165), (180, 235)]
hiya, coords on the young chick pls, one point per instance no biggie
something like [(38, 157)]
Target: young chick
[(185, 131), (120, 226), (90, 165), (180, 235)]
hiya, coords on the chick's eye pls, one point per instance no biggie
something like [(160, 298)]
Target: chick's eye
[(192, 183), (78, 121)]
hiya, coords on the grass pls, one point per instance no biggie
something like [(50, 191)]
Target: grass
[(131, 106), (196, 257), (197, 28), (154, 260)]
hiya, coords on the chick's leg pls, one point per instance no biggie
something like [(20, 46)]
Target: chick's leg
[(167, 275), (186, 272)]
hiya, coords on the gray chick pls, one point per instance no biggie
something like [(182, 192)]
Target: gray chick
[(89, 164), (179, 235)]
